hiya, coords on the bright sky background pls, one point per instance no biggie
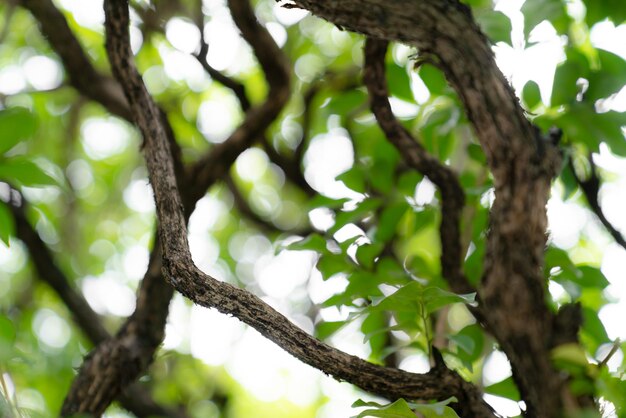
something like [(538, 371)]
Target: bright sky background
[(285, 278)]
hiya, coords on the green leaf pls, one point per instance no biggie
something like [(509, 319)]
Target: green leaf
[(313, 242), (598, 10), (436, 298), (16, 124), (362, 210), (565, 88), (433, 78), (609, 79), (326, 329), (389, 219), (366, 254), (531, 95), (593, 329), (407, 182), (7, 338), (471, 341), (342, 104), (505, 388), (582, 124), (331, 264), (24, 172), (436, 409), (399, 82), (496, 25), (536, 11), (398, 409), (353, 178), (7, 223)]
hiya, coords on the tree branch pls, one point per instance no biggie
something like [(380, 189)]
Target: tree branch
[(591, 188), (258, 118), (452, 195), (119, 361), (135, 399), (512, 289), (206, 291)]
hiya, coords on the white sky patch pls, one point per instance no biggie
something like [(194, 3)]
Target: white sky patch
[(279, 276), (104, 138), (51, 329), (252, 164), (278, 32), (183, 35), (12, 80), (565, 221), (212, 335), (106, 295), (138, 196), (86, 13), (42, 72), (209, 215), (217, 118), (496, 369), (289, 17), (415, 363), (135, 261), (326, 157), (79, 174)]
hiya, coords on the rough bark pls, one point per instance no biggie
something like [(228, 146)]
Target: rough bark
[(512, 289), (117, 362), (206, 291)]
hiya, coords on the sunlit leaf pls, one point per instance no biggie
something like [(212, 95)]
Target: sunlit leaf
[(16, 124), (24, 172), (7, 223)]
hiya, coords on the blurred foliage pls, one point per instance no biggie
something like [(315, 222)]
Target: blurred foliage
[(86, 191)]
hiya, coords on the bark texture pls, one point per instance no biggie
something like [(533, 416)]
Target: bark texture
[(512, 291), (206, 291)]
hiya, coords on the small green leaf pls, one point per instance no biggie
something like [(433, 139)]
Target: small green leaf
[(436, 409), (366, 254), (505, 388), (536, 11), (16, 124), (313, 242), (398, 409), (7, 224), (24, 172), (389, 219), (362, 210), (331, 264), (531, 95), (353, 178), (436, 298), (326, 329), (496, 25), (572, 353), (433, 78), (399, 82)]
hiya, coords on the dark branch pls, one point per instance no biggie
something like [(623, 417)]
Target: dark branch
[(452, 196), (258, 118), (206, 291), (136, 399), (590, 188)]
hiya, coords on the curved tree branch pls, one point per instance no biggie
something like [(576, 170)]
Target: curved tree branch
[(452, 195), (120, 360), (258, 118), (512, 289), (135, 398), (591, 188), (206, 291)]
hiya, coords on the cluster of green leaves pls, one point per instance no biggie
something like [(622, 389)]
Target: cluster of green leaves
[(17, 125)]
